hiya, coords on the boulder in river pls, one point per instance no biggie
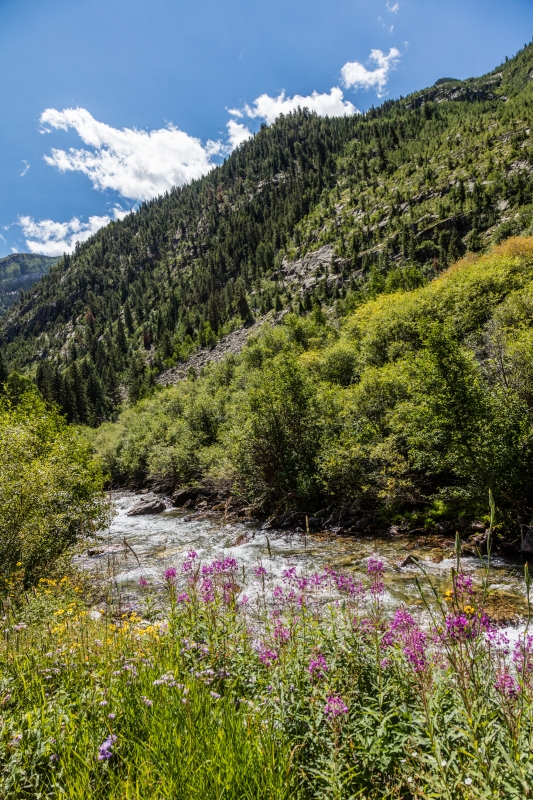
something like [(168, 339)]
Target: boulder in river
[(149, 504), (527, 542)]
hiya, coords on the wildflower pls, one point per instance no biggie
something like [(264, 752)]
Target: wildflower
[(463, 584), (245, 600), (267, 657), (335, 707), (468, 781), (507, 685), (192, 554), (260, 571), (103, 702), (54, 758), (281, 634), (147, 701), (318, 666), (170, 574), (143, 583), (214, 695), (374, 567), (207, 590), (183, 598), (105, 751), (111, 716), (19, 627)]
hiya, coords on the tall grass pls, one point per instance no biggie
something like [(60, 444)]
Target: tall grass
[(307, 688)]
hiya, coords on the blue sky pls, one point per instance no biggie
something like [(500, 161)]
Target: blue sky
[(106, 102)]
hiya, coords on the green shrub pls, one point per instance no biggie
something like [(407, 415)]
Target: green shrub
[(50, 486)]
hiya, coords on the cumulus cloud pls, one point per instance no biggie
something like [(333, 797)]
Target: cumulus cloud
[(393, 9), (325, 105), (357, 76), (49, 238), (136, 163), (237, 134)]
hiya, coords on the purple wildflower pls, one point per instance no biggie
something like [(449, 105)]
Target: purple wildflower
[(111, 716), (507, 685), (183, 598), (207, 590), (463, 584), (105, 751), (54, 758), (318, 666), (335, 707), (192, 554), (170, 574), (143, 583), (281, 634), (260, 571), (267, 657), (147, 701), (374, 567)]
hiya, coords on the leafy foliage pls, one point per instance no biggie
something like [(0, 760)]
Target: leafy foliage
[(50, 487)]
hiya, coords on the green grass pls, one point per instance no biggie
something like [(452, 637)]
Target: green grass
[(209, 695)]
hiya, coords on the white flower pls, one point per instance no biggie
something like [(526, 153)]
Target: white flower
[(468, 781)]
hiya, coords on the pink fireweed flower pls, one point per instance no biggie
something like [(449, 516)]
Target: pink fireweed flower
[(374, 566), (318, 666), (267, 657), (260, 571), (207, 590), (523, 655), (335, 707), (463, 584), (507, 686), (192, 554), (183, 598), (462, 627), (170, 574), (143, 583), (281, 634)]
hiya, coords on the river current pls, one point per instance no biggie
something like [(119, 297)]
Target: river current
[(148, 545)]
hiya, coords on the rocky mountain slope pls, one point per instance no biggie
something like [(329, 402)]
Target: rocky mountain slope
[(309, 212), (20, 271)]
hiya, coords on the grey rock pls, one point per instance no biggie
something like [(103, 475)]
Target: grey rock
[(362, 524), (444, 528), (527, 542), (478, 527), (183, 496), (148, 505)]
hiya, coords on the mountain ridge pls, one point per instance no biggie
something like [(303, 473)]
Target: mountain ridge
[(393, 196)]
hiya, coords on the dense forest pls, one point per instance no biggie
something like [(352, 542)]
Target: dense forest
[(394, 195)]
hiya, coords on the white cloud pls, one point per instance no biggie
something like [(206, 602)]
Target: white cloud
[(325, 105), (393, 9), (237, 134), (356, 76), (26, 168), (49, 238), (2, 238), (136, 163)]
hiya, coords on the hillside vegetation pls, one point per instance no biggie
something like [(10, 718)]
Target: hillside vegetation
[(414, 406), (18, 273), (384, 200)]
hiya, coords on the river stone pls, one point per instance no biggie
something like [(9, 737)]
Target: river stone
[(184, 496), (527, 543), (148, 505)]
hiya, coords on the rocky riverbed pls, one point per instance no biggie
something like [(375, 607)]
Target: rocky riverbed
[(145, 545)]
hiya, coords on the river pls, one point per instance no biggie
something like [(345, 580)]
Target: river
[(157, 542)]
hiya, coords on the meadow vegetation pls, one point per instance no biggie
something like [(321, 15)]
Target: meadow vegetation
[(232, 685)]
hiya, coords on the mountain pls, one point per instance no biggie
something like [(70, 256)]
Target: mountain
[(20, 271), (311, 211)]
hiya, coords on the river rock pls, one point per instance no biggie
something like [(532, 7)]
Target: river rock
[(527, 542), (444, 528), (362, 524), (183, 496), (148, 505)]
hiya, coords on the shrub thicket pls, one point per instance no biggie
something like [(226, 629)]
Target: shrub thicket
[(419, 400)]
